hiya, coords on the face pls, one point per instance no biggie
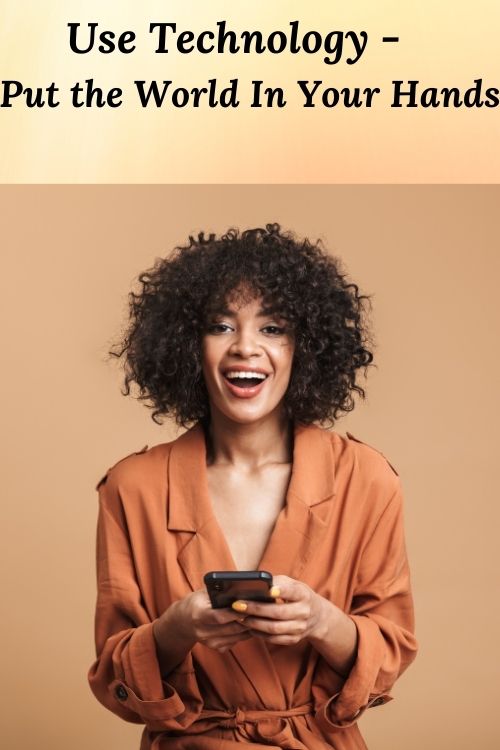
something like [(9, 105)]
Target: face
[(239, 342)]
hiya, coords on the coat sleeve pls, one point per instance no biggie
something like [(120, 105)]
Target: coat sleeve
[(125, 676), (382, 610)]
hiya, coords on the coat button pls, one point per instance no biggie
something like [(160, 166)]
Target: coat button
[(121, 693), (378, 702)]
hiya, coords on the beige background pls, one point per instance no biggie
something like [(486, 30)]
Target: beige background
[(442, 44), (430, 257)]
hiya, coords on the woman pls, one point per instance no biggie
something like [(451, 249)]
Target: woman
[(251, 339)]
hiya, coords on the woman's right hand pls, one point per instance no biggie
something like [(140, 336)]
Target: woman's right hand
[(193, 620), (215, 628)]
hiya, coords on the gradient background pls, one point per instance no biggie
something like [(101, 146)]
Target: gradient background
[(443, 44), (428, 255)]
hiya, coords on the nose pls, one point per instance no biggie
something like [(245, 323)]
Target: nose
[(244, 343)]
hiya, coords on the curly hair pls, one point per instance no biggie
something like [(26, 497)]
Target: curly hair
[(295, 278)]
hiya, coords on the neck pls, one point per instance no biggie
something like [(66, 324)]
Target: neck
[(248, 446)]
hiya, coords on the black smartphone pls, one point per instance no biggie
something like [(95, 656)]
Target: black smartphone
[(224, 586)]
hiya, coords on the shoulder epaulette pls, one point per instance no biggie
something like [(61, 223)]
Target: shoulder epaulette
[(357, 440), (105, 476)]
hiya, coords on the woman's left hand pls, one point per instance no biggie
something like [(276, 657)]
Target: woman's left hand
[(299, 613)]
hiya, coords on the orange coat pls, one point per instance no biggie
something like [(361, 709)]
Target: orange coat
[(340, 531)]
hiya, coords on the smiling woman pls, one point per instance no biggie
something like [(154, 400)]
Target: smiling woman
[(196, 285), (252, 341), (247, 353)]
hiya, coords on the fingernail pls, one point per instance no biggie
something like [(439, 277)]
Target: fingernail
[(239, 606), (274, 591)]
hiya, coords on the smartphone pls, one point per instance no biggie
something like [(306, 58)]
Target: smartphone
[(224, 587)]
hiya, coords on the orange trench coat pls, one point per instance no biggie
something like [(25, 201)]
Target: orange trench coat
[(340, 531)]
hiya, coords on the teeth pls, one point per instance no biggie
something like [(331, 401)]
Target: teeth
[(240, 374)]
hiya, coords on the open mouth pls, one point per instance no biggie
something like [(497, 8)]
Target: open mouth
[(245, 382)]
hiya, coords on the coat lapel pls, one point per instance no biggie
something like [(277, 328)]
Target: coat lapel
[(302, 523), (190, 510), (299, 528)]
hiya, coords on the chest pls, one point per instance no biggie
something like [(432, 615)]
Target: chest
[(246, 507)]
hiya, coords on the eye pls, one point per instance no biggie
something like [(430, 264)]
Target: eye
[(217, 327), (274, 330)]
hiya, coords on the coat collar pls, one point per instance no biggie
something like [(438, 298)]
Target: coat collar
[(298, 528)]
